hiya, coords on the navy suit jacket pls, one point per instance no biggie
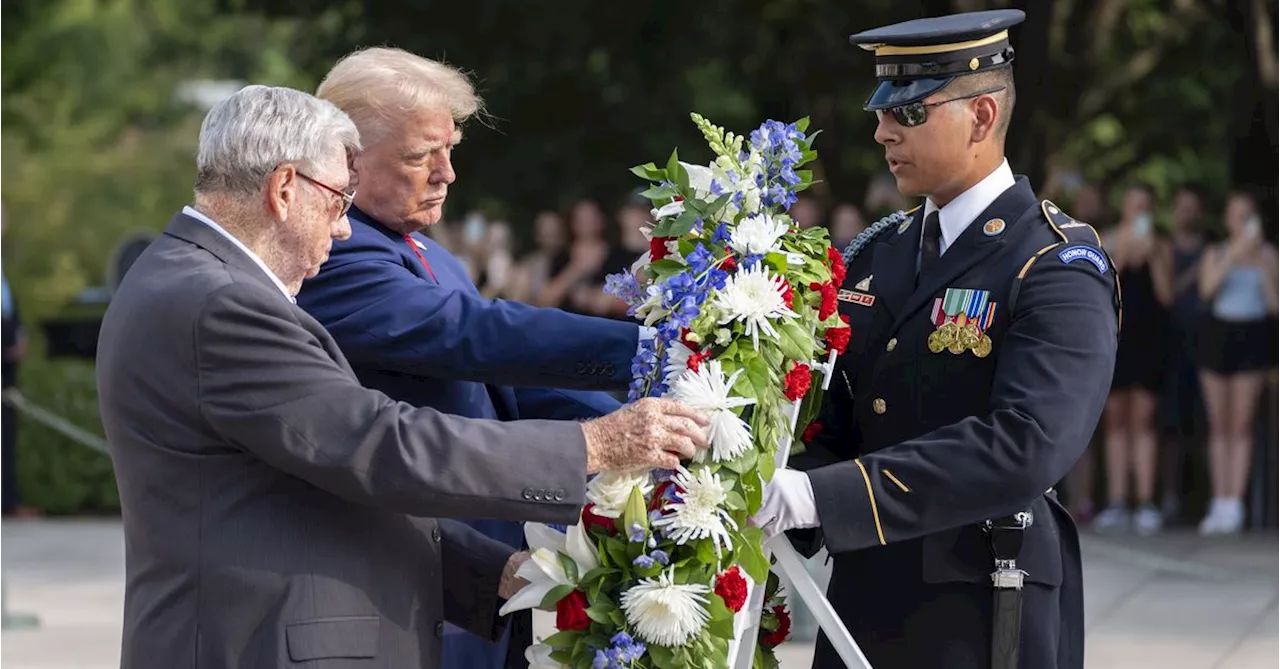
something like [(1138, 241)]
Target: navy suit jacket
[(426, 337)]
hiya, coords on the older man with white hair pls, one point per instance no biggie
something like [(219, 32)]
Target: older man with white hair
[(276, 512), (405, 311)]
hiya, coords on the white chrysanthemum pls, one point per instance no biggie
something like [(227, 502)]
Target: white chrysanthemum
[(753, 296), (677, 362), (709, 392), (664, 612), (543, 569), (610, 490), (757, 235), (700, 513)]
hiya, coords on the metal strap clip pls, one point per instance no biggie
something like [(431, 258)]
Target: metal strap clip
[(1007, 575)]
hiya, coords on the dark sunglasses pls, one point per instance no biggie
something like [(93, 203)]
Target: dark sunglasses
[(347, 198), (916, 113)]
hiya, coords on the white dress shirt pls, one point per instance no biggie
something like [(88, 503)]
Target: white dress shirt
[(960, 212), (191, 211)]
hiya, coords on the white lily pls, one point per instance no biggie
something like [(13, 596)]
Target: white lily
[(543, 570), (539, 657)]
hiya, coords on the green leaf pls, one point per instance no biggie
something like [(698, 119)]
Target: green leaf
[(649, 171), (618, 552), (554, 595), (683, 223), (806, 176), (734, 500), (802, 124), (674, 169), (751, 485), (758, 375), (706, 552), (659, 193), (563, 640), (570, 567), (663, 657), (778, 261), (750, 554), (600, 611), (743, 463), (767, 467), (721, 623), (597, 573), (666, 266), (794, 342)]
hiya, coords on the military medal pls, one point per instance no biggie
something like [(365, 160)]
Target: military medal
[(961, 317)]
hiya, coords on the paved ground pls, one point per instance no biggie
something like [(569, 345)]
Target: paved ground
[(1172, 602)]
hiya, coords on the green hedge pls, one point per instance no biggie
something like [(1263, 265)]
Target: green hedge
[(56, 474)]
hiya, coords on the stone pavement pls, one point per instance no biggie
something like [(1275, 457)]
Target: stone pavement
[(1169, 602)]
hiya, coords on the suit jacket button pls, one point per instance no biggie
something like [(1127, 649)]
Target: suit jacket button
[(893, 343), (435, 534), (439, 630), (610, 370), (878, 405), (559, 495), (539, 495), (526, 493)]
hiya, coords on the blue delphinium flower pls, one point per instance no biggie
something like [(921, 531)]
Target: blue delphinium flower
[(643, 561), (623, 651), (721, 236), (699, 259), (660, 557), (635, 533)]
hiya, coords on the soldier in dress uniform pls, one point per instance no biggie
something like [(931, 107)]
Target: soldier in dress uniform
[(984, 335)]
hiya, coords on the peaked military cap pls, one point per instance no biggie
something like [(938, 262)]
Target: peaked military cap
[(915, 59)]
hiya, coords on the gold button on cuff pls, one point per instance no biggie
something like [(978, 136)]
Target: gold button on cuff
[(893, 343), (878, 406)]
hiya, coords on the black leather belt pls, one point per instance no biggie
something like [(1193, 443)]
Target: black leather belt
[(1005, 538)]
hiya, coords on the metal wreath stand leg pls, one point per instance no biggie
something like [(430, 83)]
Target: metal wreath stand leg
[(789, 564)]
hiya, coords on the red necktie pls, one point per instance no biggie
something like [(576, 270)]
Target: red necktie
[(409, 240)]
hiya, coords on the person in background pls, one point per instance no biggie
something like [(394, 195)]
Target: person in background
[(1181, 406), (1143, 261), (846, 223), (590, 297), (1238, 284), (14, 350), (496, 261), (583, 259), (533, 271)]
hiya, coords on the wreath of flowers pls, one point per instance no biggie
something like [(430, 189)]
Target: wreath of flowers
[(660, 568)]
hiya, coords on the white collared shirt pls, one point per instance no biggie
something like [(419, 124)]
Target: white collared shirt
[(191, 211), (960, 212)]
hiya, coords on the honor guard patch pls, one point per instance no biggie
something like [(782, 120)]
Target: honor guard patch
[(865, 284), (1074, 253), (993, 227), (856, 297)]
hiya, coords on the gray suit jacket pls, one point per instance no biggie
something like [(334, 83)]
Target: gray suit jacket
[(278, 514)]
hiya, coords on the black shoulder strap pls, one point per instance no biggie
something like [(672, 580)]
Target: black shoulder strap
[(1072, 233), (874, 230)]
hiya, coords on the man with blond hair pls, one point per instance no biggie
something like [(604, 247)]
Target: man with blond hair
[(405, 311), (277, 513)]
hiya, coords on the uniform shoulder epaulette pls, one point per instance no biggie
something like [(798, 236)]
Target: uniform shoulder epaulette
[(874, 230), (1069, 229), (1077, 241)]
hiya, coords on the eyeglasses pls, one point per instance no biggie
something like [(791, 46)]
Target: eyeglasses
[(347, 198), (916, 113)]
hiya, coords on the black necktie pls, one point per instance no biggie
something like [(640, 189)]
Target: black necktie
[(930, 245)]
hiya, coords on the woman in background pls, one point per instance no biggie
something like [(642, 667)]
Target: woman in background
[(1144, 264), (1237, 343)]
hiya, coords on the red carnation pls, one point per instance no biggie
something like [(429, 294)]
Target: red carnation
[(732, 588), (837, 266), (838, 338), (658, 248), (811, 432), (729, 263), (695, 360), (779, 635), (590, 518), (829, 303), (571, 612), (797, 382), (788, 295)]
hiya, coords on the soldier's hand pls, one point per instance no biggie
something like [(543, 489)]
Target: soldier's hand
[(652, 433)]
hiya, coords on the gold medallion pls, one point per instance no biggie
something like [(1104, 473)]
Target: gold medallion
[(935, 342), (948, 331), (956, 347), (983, 348), (969, 335)]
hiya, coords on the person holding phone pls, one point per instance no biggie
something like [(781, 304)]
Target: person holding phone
[(1144, 263), (1237, 344)]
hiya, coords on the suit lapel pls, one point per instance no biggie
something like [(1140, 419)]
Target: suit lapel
[(893, 264), (972, 247), (195, 232)]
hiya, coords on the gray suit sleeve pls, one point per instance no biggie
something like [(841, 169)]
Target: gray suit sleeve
[(267, 385), (472, 564)]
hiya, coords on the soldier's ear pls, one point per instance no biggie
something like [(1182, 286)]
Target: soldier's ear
[(986, 114)]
